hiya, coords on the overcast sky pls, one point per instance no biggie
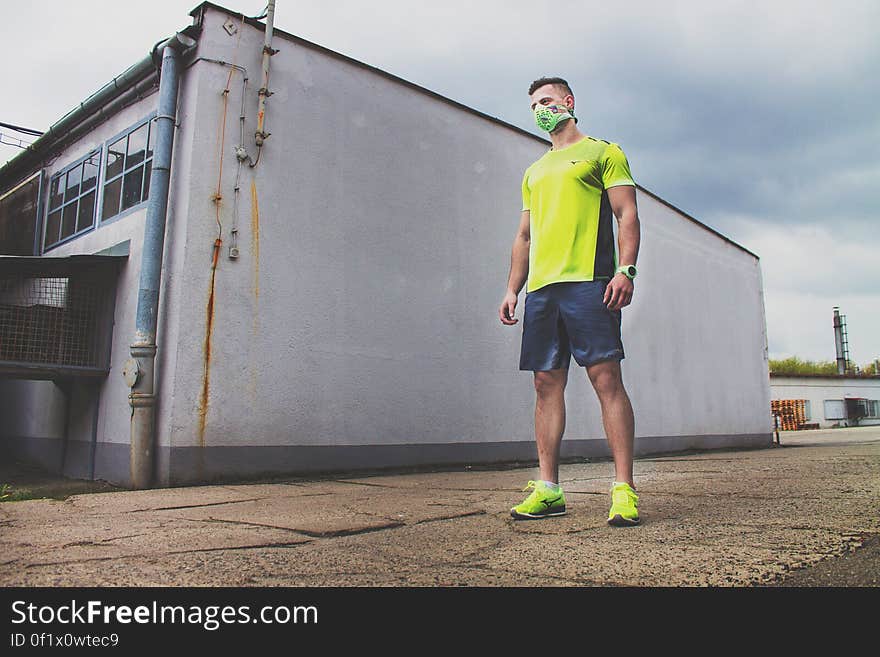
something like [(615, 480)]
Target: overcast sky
[(760, 119)]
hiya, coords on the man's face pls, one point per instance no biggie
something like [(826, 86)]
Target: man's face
[(550, 94)]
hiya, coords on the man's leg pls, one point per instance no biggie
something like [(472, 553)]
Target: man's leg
[(617, 416), (545, 501), (545, 352), (550, 420)]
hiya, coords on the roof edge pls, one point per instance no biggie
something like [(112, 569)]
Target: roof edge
[(138, 81), (856, 377), (698, 222), (198, 12)]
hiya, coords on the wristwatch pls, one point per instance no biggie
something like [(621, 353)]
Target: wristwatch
[(628, 270)]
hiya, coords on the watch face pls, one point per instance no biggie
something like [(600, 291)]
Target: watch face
[(631, 270)]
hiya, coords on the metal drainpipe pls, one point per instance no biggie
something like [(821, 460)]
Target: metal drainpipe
[(139, 369)]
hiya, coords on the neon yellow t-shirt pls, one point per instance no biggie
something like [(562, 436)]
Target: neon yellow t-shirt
[(572, 234)]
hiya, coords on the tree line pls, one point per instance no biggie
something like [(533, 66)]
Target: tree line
[(795, 365)]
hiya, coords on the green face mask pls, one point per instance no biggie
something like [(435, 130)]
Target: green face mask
[(548, 117)]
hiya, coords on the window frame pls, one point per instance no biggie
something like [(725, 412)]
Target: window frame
[(103, 154), (41, 203), (40, 176), (842, 402), (47, 195), (148, 120), (871, 408)]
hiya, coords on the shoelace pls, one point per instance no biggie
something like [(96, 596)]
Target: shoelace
[(533, 486), (621, 495)]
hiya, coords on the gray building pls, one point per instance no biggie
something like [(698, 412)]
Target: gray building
[(327, 301), (827, 401)]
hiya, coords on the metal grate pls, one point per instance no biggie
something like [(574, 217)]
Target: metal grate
[(59, 318)]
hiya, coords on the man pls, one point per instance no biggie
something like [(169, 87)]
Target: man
[(575, 293)]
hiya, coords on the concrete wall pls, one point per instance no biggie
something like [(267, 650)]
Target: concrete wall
[(817, 390), (50, 425), (98, 436), (29, 440), (33, 416), (358, 327)]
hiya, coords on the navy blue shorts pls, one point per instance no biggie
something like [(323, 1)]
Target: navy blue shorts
[(569, 319)]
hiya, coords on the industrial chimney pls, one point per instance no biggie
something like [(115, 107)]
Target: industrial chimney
[(840, 341)]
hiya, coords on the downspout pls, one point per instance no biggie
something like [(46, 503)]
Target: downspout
[(139, 370)]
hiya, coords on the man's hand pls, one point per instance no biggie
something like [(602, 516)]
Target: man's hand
[(619, 292), (508, 307)]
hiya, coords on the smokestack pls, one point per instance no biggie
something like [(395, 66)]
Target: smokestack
[(838, 342)]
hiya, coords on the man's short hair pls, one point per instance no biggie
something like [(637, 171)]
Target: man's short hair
[(558, 82)]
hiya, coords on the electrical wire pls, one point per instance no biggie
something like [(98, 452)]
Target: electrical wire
[(261, 16), (218, 195), (17, 145), (24, 131), (241, 155)]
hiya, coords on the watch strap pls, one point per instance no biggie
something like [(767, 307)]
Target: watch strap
[(627, 270)]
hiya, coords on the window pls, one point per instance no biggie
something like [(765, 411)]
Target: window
[(807, 414), (865, 408), (127, 171), (18, 217), (835, 409), (72, 195)]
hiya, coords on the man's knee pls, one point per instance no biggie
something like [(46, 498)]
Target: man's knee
[(606, 378), (550, 382)]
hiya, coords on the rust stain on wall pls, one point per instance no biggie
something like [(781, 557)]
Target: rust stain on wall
[(255, 250), (209, 328), (255, 237)]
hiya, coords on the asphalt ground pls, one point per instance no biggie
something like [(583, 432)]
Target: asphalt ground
[(805, 513)]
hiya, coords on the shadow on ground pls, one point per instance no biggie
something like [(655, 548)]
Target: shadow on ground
[(24, 481)]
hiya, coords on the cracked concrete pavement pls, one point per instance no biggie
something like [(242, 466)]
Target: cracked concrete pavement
[(718, 518)]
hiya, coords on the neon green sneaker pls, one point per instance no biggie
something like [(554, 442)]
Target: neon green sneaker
[(542, 503), (624, 506)]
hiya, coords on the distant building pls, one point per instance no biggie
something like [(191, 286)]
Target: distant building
[(333, 306), (826, 401)]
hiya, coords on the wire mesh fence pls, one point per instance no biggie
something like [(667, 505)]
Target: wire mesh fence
[(57, 318)]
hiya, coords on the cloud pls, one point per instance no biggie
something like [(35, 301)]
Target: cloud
[(807, 271), (800, 324), (759, 119)]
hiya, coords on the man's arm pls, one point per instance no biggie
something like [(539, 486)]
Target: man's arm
[(623, 203), (519, 270)]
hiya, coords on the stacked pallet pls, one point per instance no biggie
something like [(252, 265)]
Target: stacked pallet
[(790, 413)]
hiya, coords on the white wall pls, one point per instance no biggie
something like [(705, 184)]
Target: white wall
[(368, 316), (113, 423), (363, 311), (817, 390)]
